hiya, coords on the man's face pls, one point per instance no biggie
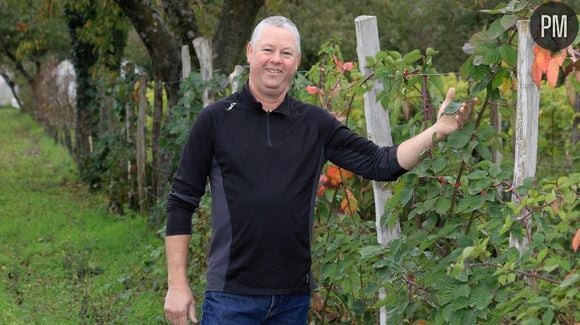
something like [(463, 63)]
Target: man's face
[(273, 61)]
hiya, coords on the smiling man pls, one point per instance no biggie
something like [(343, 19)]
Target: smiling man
[(263, 152)]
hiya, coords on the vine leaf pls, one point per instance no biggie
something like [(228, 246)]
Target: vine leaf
[(576, 240), (552, 73), (349, 203), (452, 108)]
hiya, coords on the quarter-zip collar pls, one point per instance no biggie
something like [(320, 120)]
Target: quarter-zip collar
[(247, 97)]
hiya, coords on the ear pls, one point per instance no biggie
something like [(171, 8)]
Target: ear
[(298, 61), (249, 51)]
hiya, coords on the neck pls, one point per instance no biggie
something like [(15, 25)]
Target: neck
[(269, 103)]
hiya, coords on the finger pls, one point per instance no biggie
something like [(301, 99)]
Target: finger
[(459, 121), (470, 104), (192, 313), (448, 99)]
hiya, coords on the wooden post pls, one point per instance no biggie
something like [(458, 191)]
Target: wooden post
[(378, 128), (140, 145), (204, 54), (233, 78), (156, 184), (526, 128), (185, 62)]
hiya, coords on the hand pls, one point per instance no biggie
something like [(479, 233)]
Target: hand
[(447, 124), (180, 305)]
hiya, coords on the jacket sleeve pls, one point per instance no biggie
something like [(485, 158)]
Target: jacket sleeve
[(191, 176), (360, 155)]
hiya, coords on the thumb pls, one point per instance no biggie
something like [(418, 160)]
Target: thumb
[(192, 313), (448, 99)]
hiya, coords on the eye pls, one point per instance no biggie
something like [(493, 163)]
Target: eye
[(267, 50)]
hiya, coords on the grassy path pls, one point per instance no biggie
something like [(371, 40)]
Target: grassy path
[(63, 258)]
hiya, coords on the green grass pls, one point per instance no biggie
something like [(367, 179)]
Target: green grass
[(63, 258)]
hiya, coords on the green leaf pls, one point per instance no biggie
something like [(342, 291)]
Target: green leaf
[(412, 56), (484, 152), (551, 264), (466, 68), (509, 54), (476, 186), (452, 108), (508, 21), (406, 194), (570, 280), (468, 252), (443, 204), (481, 297), (431, 52), (371, 251), (542, 254), (548, 317), (495, 29), (470, 203), (451, 291), (480, 86), (478, 174), (500, 76), (458, 139), (491, 56), (438, 164)]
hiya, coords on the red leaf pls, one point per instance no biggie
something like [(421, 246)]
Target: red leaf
[(333, 174), (536, 74), (536, 49), (346, 174), (349, 203), (560, 57), (576, 240), (337, 63), (347, 66), (542, 59), (321, 190), (312, 90), (553, 72)]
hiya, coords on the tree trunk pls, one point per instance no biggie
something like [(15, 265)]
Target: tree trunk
[(235, 25), (181, 20), (160, 43), (84, 56)]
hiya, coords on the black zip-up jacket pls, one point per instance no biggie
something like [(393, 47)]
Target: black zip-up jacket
[(264, 170)]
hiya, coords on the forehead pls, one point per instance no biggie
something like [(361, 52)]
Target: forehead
[(278, 36)]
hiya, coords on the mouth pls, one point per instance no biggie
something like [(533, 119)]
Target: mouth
[(274, 71)]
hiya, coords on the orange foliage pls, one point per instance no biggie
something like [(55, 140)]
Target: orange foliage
[(336, 175), (547, 63), (576, 240), (349, 203)]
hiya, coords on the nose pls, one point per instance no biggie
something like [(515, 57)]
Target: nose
[(276, 56)]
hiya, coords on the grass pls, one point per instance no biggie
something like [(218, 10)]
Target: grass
[(63, 258)]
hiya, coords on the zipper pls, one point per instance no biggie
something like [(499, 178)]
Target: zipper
[(268, 129)]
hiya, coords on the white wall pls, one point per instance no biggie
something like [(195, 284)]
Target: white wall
[(6, 96)]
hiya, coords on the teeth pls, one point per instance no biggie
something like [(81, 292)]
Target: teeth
[(274, 71)]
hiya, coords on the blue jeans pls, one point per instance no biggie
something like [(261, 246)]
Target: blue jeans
[(221, 308)]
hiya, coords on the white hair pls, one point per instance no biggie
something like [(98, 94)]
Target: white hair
[(276, 21)]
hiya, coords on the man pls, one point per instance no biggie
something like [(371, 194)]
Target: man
[(263, 152)]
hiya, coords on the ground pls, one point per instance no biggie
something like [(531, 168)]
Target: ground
[(63, 258)]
